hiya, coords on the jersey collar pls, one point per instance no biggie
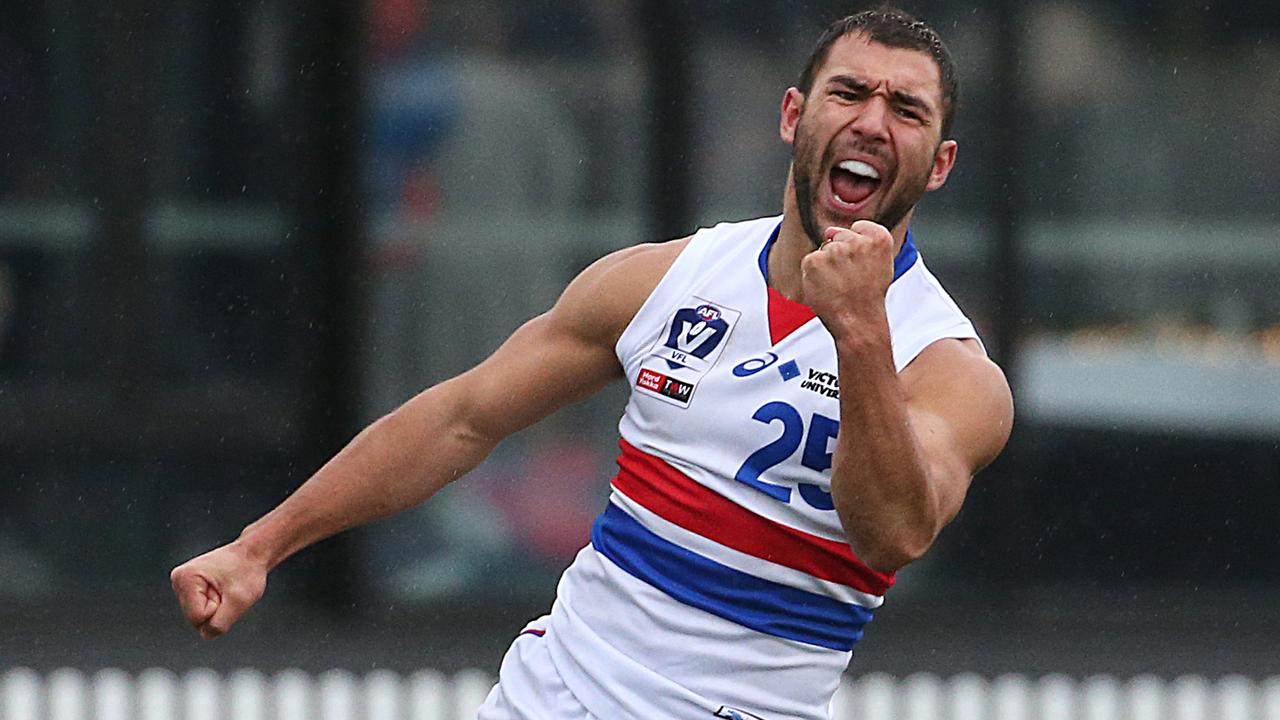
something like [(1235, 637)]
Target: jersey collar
[(906, 257), (786, 316)]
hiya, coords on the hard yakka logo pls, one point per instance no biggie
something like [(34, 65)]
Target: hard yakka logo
[(823, 383), (663, 385)]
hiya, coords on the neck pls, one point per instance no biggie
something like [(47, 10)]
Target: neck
[(793, 244)]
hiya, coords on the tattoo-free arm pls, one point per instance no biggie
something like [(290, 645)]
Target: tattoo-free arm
[(910, 443), (555, 359), (404, 458)]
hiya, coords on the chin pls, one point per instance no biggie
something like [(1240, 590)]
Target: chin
[(840, 217)]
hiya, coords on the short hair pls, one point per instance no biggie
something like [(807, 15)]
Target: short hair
[(893, 28)]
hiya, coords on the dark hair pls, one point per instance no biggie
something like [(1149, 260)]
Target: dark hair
[(893, 28)]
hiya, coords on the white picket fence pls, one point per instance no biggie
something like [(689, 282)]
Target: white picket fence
[(158, 694)]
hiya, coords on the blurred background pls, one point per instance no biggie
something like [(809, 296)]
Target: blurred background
[(233, 233)]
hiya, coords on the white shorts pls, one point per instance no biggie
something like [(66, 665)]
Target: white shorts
[(529, 687)]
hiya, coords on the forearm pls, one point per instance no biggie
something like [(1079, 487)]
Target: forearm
[(880, 481), (392, 465)]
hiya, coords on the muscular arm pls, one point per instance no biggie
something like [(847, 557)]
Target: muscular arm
[(399, 461), (407, 456), (920, 435), (920, 438)]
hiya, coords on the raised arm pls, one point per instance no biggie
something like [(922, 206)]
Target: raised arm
[(402, 459), (921, 437), (921, 434)]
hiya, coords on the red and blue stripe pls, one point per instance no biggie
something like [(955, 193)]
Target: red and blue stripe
[(699, 581)]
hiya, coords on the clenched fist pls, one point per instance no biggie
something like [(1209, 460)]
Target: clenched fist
[(216, 588), (846, 279)]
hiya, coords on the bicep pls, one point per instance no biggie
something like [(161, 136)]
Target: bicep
[(961, 411), (565, 354), (545, 365)]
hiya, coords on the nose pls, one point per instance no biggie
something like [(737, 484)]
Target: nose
[(872, 119)]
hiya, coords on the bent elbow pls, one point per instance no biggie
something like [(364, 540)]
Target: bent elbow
[(889, 555)]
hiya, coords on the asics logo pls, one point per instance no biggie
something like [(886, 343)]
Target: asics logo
[(747, 368)]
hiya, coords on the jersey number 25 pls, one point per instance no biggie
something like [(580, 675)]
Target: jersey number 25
[(815, 457)]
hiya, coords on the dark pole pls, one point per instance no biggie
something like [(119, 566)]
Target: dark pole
[(118, 184), (1007, 553), (669, 55), (328, 253), (1009, 191)]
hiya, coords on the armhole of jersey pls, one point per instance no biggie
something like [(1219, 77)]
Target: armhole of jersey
[(632, 342), (941, 318)]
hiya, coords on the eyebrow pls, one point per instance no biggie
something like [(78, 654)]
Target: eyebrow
[(899, 96)]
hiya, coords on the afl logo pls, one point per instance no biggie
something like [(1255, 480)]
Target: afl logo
[(708, 312), (750, 367)]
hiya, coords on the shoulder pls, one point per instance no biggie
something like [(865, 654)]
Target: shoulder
[(955, 379), (953, 361), (602, 299), (918, 292), (921, 313)]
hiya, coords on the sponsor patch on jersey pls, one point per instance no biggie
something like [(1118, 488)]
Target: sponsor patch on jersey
[(826, 384), (735, 714), (664, 386), (751, 366), (687, 349)]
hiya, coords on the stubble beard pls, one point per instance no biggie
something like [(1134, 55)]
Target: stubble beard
[(805, 181), (804, 185)]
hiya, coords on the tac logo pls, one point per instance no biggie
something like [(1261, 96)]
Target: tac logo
[(665, 386)]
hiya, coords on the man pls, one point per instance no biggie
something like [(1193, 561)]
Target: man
[(748, 537)]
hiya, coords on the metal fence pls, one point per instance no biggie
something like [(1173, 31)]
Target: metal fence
[(157, 694)]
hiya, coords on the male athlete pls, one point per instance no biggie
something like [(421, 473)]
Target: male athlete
[(807, 409)]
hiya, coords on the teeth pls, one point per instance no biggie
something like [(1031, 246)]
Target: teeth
[(857, 167)]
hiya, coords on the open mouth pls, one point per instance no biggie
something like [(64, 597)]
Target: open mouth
[(853, 181)]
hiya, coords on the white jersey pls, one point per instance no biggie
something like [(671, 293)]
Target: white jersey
[(718, 581)]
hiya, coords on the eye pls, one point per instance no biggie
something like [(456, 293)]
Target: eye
[(848, 95), (907, 113)]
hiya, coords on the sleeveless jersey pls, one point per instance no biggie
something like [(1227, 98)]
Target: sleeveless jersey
[(718, 581)]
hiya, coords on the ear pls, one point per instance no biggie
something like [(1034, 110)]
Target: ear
[(943, 160), (792, 106)]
